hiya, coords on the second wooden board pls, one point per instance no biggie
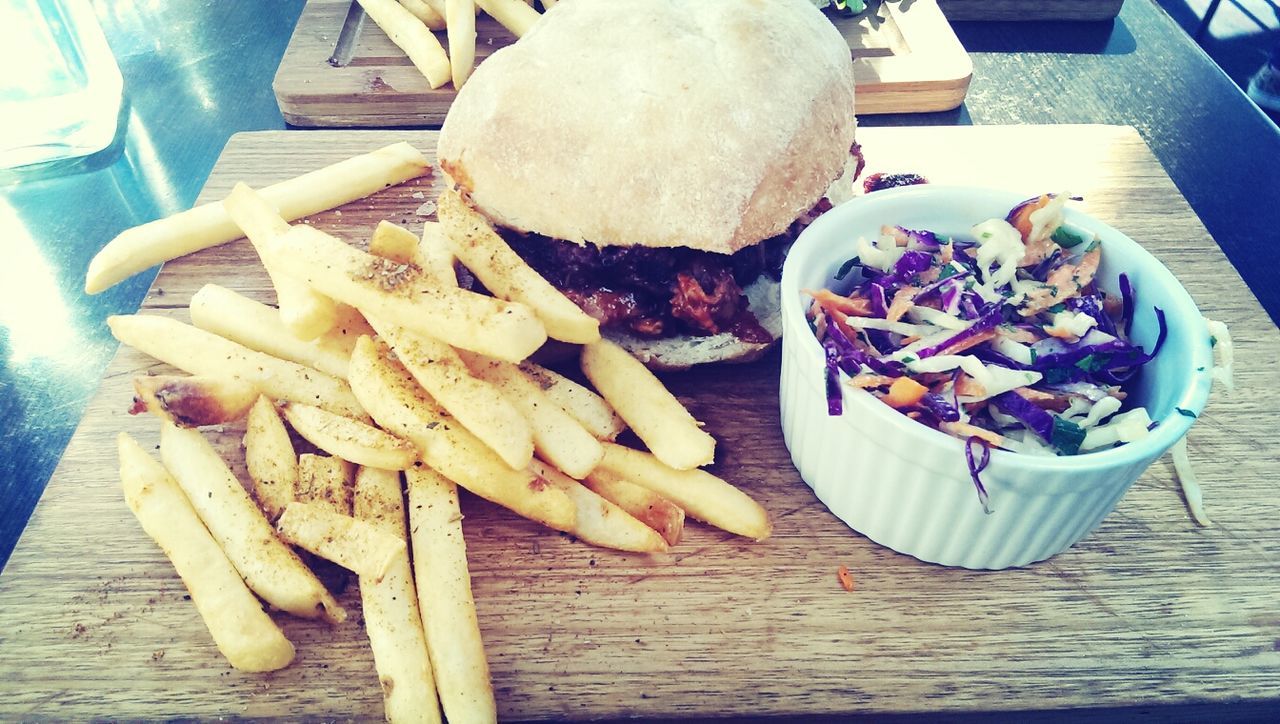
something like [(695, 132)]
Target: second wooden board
[(910, 62)]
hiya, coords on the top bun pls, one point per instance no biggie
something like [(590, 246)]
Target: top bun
[(709, 124)]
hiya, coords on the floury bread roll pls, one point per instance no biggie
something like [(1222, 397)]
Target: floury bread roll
[(651, 158)]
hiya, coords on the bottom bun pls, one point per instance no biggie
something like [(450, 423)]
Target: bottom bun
[(685, 351)]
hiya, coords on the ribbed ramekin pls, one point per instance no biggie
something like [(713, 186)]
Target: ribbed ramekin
[(907, 486)]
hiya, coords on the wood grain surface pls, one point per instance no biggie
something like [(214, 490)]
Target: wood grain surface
[(911, 63), (959, 10), (1147, 610)]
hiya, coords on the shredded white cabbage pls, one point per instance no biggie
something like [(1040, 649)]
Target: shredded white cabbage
[(1076, 323), (1028, 443), (903, 328), (1000, 250), (1190, 486), (1016, 351), (993, 378), (1099, 411), (936, 318), (1223, 371), (1046, 220), (880, 257), (1125, 427)]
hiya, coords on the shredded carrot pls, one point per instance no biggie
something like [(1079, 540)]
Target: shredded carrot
[(1022, 220), (853, 307), (845, 577), (966, 386), (902, 301), (963, 430), (945, 256), (972, 341), (904, 392), (1046, 400), (865, 381)]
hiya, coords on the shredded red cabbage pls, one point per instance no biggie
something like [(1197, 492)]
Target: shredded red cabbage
[(976, 468)]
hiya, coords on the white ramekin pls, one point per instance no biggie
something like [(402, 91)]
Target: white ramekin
[(905, 485)]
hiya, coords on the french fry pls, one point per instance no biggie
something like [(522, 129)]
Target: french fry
[(303, 311), (395, 243), (645, 505), (266, 564), (349, 439), (353, 544), (581, 402), (193, 401), (398, 293), (242, 631), (599, 521), (142, 247), (436, 257), (557, 437), (392, 619), (413, 37), (269, 456), (701, 494), (548, 4), (514, 15), (259, 327), (400, 405), (505, 274), (444, 596), (460, 18), (478, 405), (325, 482), (202, 353), (423, 11), (656, 416)]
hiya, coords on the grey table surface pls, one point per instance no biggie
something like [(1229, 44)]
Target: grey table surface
[(197, 71)]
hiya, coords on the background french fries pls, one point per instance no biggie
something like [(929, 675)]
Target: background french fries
[(267, 565), (437, 259), (398, 294), (643, 504), (142, 247), (444, 596), (582, 403), (514, 15), (242, 631), (423, 11), (303, 311), (656, 416), (193, 401), (353, 544), (392, 618), (259, 327), (701, 494), (460, 19), (205, 354), (413, 37), (326, 482), (395, 243), (557, 437), (478, 405), (270, 459), (506, 275), (400, 405), (349, 439), (600, 522)]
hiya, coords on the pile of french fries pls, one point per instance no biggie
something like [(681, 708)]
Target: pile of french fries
[(409, 24), (408, 385)]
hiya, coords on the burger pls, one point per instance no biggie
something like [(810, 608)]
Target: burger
[(655, 159)]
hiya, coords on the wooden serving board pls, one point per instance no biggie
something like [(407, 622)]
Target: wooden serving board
[(1149, 609), (911, 63), (959, 10)]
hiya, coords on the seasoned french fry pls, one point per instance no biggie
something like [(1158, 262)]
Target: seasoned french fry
[(423, 11), (392, 619), (647, 506), (599, 521), (581, 402), (202, 353), (398, 293), (257, 326), (701, 494), (303, 311), (476, 404), (444, 596), (460, 18), (413, 37), (505, 274), (243, 632), (353, 544), (557, 437), (269, 456), (400, 405), (142, 247), (437, 259), (266, 564), (193, 401), (514, 15), (656, 416), (349, 439), (395, 243), (326, 482)]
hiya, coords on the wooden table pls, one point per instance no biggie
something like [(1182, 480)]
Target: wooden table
[(1148, 610)]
